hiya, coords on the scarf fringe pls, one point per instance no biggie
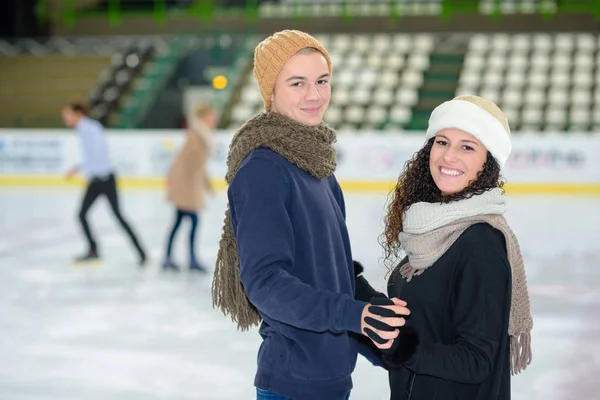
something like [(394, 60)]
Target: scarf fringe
[(227, 289), (520, 354), (407, 271)]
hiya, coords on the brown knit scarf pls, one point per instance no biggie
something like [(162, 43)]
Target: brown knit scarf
[(309, 148), (431, 228)]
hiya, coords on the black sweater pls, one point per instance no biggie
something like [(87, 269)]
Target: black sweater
[(455, 345)]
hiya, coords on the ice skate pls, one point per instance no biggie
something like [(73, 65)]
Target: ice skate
[(198, 267), (169, 265), (90, 258)]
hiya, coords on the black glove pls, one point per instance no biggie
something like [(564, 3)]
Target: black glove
[(358, 268), (374, 308), (364, 291), (405, 344)]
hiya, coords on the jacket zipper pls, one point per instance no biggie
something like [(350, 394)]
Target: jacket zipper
[(409, 387)]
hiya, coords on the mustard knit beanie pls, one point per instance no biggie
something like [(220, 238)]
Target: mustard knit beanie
[(272, 53)]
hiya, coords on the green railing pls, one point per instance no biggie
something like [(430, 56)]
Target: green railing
[(236, 73), (68, 12), (30, 121), (150, 84)]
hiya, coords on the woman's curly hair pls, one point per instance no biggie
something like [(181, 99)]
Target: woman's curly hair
[(415, 184)]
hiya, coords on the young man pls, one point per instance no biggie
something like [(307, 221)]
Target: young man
[(97, 168), (285, 255)]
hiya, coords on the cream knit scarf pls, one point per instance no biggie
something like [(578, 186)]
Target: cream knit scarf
[(205, 134), (429, 229)]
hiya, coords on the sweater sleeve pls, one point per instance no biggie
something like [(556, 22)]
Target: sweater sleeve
[(368, 350), (339, 195), (363, 291), (482, 297), (265, 238)]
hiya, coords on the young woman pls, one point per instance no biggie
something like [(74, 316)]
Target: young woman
[(188, 181), (463, 276)]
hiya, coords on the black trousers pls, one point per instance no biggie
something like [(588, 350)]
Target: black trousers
[(106, 186)]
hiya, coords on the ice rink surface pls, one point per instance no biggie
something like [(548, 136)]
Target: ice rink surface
[(117, 332)]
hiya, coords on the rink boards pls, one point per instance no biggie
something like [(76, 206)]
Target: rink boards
[(367, 161)]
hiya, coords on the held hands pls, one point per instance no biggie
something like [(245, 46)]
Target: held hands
[(382, 319)]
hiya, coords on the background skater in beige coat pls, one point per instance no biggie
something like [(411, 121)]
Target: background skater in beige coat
[(187, 181)]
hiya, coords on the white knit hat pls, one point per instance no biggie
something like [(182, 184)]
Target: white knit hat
[(480, 117)]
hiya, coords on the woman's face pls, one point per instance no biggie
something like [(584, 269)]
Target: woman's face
[(455, 159)]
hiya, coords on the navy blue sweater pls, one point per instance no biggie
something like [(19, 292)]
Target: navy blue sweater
[(296, 268)]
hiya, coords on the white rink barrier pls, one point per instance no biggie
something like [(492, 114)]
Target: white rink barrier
[(367, 161)]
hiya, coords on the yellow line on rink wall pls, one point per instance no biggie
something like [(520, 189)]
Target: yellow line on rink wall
[(554, 188), (510, 188), (347, 185)]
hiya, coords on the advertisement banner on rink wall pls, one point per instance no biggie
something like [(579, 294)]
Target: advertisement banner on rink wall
[(54, 152), (34, 153), (551, 158), (366, 160), (374, 157), (554, 158), (144, 155), (133, 153)]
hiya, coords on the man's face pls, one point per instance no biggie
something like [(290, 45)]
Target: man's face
[(302, 90), (70, 117)]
